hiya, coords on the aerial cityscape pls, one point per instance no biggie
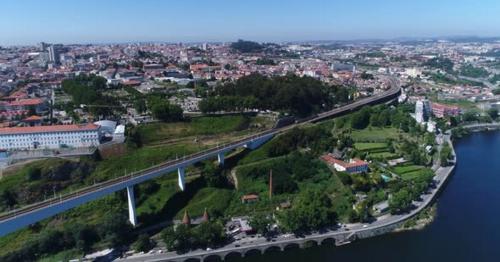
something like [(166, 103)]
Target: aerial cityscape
[(251, 132)]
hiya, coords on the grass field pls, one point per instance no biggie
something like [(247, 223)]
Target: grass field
[(411, 175), (370, 146), (406, 169), (141, 158), (215, 200), (384, 155), (198, 126), (376, 135)]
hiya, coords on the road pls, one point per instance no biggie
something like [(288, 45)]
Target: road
[(440, 178)]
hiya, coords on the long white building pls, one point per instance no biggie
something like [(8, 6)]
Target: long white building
[(49, 137)]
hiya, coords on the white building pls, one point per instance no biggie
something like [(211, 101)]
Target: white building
[(49, 137), (419, 112), (422, 111)]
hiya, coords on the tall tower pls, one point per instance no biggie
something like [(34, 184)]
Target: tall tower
[(205, 218), (54, 54), (186, 220)]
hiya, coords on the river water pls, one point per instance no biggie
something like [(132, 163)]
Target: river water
[(467, 226)]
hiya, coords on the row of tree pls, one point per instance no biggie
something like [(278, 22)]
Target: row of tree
[(296, 95), (88, 90), (183, 238), (114, 230)]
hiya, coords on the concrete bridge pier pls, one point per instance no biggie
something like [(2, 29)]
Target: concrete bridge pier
[(131, 206), (180, 174), (220, 158)]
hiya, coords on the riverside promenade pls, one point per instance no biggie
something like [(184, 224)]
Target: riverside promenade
[(337, 236)]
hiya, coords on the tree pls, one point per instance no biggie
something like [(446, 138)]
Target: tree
[(246, 46), (493, 113), (261, 223), (445, 154), (143, 243), (470, 116), (7, 199), (311, 210), (140, 106), (213, 175), (166, 112), (361, 119), (83, 236), (181, 239), (115, 228), (209, 234), (33, 173), (400, 201)]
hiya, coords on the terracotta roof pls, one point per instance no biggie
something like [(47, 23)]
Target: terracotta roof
[(33, 118), (353, 163), (27, 102), (442, 106), (250, 197), (48, 129)]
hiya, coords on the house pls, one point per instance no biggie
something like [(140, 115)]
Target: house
[(353, 166), (49, 137), (249, 198), (440, 110), (33, 120)]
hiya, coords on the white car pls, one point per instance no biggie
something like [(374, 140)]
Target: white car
[(365, 226)]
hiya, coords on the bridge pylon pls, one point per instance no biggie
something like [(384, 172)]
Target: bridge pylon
[(180, 174), (220, 158), (131, 206)]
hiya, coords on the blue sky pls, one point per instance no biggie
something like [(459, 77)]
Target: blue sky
[(89, 21)]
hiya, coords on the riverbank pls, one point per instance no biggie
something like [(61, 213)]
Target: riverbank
[(464, 229), (421, 221), (339, 236)]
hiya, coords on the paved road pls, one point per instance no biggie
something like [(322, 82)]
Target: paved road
[(441, 176)]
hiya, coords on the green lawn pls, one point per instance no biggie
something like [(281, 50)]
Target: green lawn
[(141, 158), (412, 175), (151, 133), (403, 169), (369, 146), (373, 134), (384, 155), (215, 200), (154, 202)]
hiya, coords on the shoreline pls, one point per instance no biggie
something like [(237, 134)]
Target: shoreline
[(361, 231)]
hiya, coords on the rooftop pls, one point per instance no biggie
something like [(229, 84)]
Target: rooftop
[(47, 129)]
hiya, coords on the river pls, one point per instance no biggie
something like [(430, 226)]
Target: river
[(467, 226)]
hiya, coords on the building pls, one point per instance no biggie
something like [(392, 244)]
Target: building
[(49, 137), (36, 104), (422, 111), (440, 110), (353, 166), (54, 54), (249, 198)]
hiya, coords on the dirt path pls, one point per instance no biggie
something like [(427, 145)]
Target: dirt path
[(235, 178)]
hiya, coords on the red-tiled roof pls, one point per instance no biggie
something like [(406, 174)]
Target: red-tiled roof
[(48, 129), (443, 107), (33, 118), (353, 163), (250, 197), (27, 102)]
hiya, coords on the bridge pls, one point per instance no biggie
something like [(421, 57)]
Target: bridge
[(27, 215)]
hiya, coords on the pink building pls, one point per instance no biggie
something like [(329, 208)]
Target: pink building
[(440, 110)]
